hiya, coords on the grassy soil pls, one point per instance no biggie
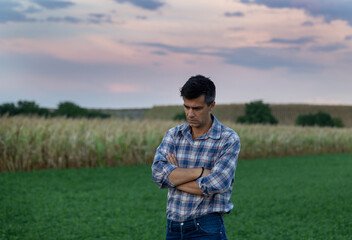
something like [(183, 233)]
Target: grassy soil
[(307, 197)]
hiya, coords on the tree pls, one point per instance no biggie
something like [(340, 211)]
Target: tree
[(23, 107), (257, 112), (70, 110), (67, 109), (321, 119), (305, 120), (181, 116), (30, 107), (8, 108), (338, 122)]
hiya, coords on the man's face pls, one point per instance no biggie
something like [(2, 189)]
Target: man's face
[(197, 111)]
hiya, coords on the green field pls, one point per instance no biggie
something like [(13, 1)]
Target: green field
[(307, 197)]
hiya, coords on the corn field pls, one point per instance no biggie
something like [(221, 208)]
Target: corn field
[(33, 143)]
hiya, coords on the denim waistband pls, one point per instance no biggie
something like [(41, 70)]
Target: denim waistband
[(175, 226)]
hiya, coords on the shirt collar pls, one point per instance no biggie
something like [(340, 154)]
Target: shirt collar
[(214, 131)]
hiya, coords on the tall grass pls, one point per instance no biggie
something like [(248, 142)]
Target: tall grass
[(276, 141), (29, 143)]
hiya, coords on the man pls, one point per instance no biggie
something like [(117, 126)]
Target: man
[(196, 161)]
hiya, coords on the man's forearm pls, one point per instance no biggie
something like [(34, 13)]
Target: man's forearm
[(184, 175), (190, 187)]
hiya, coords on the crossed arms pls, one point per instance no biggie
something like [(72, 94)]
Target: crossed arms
[(167, 174), (184, 179)]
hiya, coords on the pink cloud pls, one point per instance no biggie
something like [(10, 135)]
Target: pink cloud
[(88, 49)]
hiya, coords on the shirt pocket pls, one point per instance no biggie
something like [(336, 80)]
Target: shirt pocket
[(208, 159)]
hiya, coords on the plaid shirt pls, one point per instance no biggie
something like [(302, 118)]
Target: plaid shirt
[(217, 150)]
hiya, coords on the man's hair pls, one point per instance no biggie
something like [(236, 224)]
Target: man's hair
[(197, 86)]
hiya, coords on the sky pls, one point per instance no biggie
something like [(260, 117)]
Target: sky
[(139, 53)]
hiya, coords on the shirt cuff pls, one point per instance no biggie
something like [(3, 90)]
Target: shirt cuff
[(202, 186), (167, 170)]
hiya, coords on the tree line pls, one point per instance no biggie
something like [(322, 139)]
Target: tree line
[(64, 109), (257, 112)]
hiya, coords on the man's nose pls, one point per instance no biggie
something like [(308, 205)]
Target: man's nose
[(190, 113)]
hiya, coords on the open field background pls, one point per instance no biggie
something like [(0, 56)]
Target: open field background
[(286, 114), (29, 143), (306, 197)]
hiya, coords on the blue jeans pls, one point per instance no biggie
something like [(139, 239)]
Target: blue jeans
[(207, 227)]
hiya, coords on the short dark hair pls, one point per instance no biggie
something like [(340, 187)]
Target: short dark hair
[(197, 86)]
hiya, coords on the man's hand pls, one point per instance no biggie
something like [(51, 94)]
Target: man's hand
[(184, 175), (206, 172), (171, 159)]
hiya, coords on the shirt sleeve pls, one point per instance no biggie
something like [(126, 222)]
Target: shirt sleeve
[(161, 168), (223, 173)]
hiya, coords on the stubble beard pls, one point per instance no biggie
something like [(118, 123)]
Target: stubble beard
[(195, 124)]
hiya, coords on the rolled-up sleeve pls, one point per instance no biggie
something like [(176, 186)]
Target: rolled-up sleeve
[(161, 168), (223, 173)]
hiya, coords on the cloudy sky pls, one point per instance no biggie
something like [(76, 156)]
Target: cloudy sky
[(138, 53)]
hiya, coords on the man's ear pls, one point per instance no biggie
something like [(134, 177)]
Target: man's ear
[(212, 105)]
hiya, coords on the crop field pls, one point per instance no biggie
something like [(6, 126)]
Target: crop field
[(305, 197), (32, 143)]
